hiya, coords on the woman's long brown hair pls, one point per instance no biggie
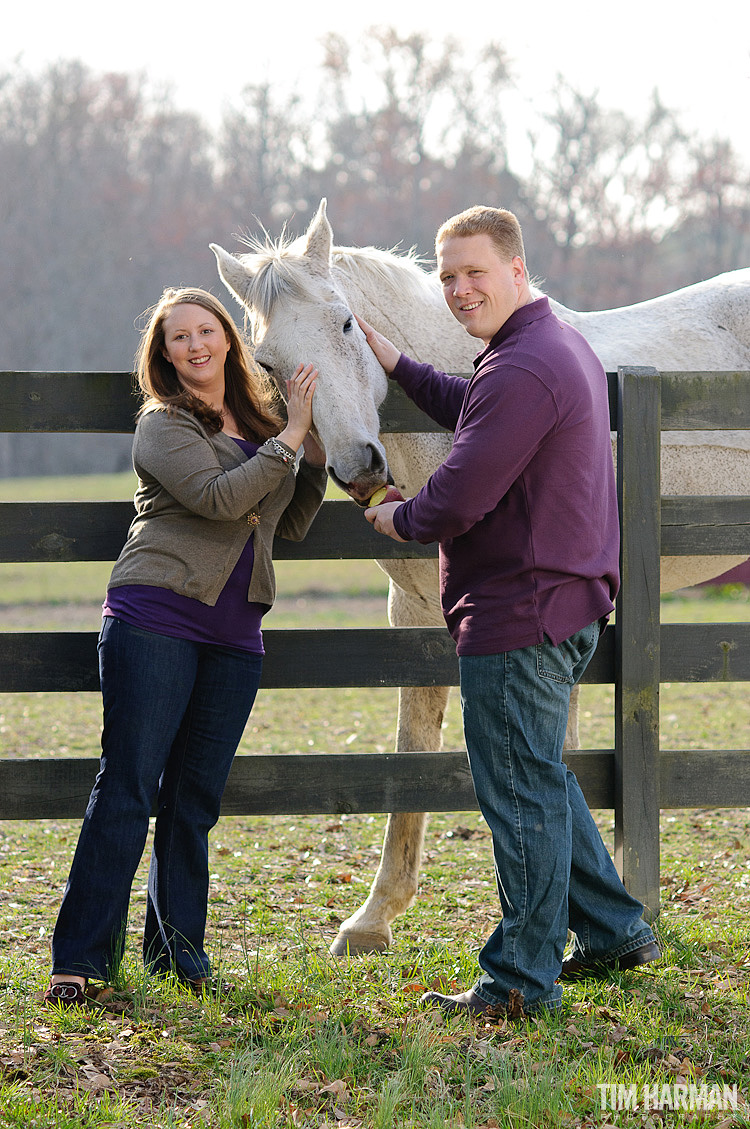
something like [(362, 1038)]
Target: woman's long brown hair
[(250, 396)]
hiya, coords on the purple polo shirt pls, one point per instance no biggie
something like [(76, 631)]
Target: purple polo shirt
[(525, 506)]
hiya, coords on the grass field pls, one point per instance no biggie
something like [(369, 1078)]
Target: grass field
[(305, 1040)]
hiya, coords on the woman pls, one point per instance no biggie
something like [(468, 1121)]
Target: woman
[(180, 650)]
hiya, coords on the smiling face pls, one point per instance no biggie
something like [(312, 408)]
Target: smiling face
[(196, 343), (481, 288)]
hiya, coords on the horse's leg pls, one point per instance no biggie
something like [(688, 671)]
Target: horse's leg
[(420, 719), (394, 888)]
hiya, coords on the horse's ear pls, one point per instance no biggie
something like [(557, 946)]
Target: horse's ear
[(233, 274), (319, 241)]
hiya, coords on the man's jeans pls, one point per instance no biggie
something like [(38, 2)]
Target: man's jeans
[(174, 713), (553, 870)]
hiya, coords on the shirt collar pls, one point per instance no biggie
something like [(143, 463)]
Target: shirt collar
[(524, 315)]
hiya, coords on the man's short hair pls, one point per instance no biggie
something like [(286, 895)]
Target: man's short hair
[(501, 225)]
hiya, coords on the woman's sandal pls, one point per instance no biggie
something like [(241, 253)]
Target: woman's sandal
[(66, 993)]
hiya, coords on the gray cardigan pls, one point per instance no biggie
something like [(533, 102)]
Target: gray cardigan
[(199, 499)]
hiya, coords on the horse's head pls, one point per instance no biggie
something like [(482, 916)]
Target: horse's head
[(298, 314)]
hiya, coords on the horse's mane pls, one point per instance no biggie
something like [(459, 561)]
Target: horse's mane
[(403, 271), (279, 269)]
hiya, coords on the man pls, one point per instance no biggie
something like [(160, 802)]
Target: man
[(525, 511)]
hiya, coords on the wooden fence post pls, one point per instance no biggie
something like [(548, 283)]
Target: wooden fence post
[(637, 631)]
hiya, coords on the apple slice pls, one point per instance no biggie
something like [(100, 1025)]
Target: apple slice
[(386, 494)]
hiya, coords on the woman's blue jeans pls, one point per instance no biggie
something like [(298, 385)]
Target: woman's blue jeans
[(552, 868), (174, 713)]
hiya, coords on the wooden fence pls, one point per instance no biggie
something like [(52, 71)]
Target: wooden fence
[(636, 778)]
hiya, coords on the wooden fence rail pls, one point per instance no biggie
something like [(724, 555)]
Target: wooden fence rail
[(636, 778)]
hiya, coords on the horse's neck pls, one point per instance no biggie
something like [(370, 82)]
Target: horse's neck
[(432, 335), (423, 329)]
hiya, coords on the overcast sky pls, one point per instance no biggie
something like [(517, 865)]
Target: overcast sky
[(698, 57)]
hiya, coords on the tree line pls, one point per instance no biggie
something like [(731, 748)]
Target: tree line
[(110, 192)]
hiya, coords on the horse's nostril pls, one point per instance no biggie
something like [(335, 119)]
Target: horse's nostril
[(377, 462)]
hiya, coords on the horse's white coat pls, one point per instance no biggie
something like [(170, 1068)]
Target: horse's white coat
[(301, 296)]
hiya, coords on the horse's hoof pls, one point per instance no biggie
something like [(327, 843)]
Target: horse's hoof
[(357, 944)]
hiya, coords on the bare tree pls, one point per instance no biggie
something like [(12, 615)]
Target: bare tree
[(602, 180), (105, 199), (405, 134), (264, 151), (716, 198)]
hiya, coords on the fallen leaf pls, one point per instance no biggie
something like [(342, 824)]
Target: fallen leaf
[(95, 1080), (338, 1087)]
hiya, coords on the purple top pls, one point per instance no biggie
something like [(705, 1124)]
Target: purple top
[(232, 622), (524, 506)]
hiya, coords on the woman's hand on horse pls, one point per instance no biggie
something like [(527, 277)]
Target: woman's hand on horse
[(381, 518), (385, 351), (300, 392)]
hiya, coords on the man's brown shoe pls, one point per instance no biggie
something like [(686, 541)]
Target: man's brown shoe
[(469, 1003), (573, 969)]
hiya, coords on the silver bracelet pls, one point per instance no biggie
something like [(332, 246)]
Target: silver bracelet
[(286, 453)]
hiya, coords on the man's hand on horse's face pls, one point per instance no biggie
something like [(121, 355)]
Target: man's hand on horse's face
[(385, 351)]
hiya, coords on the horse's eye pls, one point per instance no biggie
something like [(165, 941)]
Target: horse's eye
[(268, 368), (348, 325)]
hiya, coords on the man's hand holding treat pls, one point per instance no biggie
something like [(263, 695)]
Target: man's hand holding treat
[(379, 513)]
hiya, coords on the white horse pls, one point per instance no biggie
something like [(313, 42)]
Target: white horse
[(301, 297)]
